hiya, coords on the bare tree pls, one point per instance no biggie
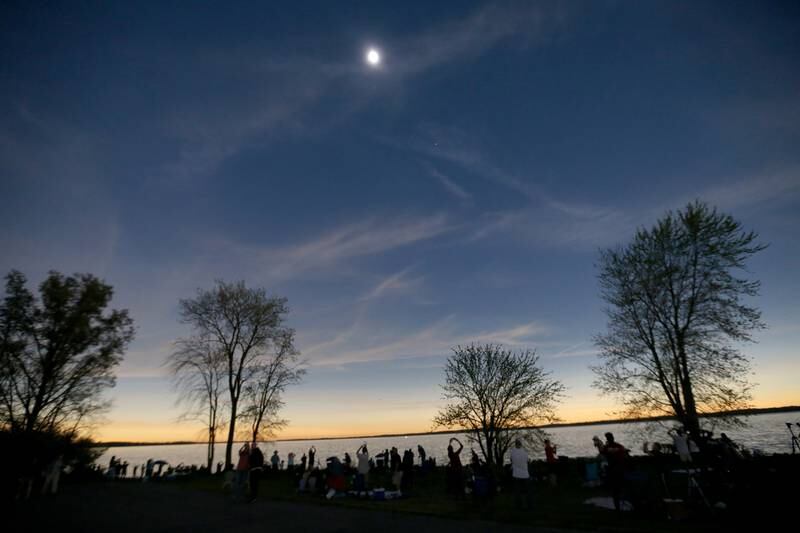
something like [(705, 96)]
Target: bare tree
[(243, 324), (198, 370), (676, 310), (58, 352), (494, 393), (263, 395)]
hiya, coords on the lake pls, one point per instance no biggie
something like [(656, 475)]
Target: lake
[(765, 432)]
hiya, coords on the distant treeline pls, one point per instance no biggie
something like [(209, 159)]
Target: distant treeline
[(740, 412)]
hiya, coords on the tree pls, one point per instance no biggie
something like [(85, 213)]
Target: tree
[(58, 353), (263, 395), (676, 311), (243, 324), (494, 393), (198, 369)]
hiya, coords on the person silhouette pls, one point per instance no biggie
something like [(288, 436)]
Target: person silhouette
[(311, 453), (455, 470), (616, 454), (422, 455)]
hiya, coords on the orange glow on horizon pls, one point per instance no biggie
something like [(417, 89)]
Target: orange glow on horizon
[(141, 431)]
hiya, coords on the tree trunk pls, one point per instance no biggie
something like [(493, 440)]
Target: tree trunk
[(692, 421), (231, 432), (210, 451)]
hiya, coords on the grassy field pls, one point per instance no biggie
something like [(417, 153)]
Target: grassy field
[(561, 506)]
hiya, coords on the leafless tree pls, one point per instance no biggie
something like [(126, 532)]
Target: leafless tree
[(243, 324), (494, 394), (198, 369), (676, 311), (58, 352), (263, 394)]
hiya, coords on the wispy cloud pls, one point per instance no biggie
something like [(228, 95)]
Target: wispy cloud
[(262, 97), (581, 349), (395, 283), (366, 237), (477, 32), (754, 190), (450, 186), (452, 145), (358, 345)]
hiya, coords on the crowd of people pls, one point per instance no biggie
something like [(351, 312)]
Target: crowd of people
[(391, 472), (361, 473)]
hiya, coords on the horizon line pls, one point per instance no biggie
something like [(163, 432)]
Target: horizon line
[(743, 412)]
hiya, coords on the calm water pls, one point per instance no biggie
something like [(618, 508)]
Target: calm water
[(766, 432)]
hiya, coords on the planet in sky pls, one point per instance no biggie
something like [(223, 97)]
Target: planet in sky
[(373, 57)]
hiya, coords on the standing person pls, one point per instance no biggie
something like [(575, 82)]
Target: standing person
[(394, 462), (552, 461), (242, 470), (421, 453), (455, 470), (303, 461), (256, 466), (348, 461), (311, 453), (616, 454), (290, 461), (362, 478), (520, 475), (394, 467), (474, 461), (407, 468), (680, 441), (276, 461), (52, 475)]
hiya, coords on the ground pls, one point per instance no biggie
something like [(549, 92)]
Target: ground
[(128, 507), (756, 496)]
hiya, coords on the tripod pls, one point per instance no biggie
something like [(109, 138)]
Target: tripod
[(694, 486), (795, 441)]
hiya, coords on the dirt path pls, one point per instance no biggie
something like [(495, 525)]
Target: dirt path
[(128, 507)]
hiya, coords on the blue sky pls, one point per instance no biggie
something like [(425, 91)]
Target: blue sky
[(458, 193)]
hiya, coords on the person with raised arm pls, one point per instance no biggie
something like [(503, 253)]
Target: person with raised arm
[(311, 453), (362, 477), (455, 469)]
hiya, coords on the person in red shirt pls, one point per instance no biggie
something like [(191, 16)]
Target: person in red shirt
[(617, 456), (552, 461), (242, 471)]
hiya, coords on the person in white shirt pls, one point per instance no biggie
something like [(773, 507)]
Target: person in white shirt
[(520, 475), (362, 457), (52, 476), (681, 443)]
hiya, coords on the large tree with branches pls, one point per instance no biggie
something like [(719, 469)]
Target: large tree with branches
[(58, 352), (245, 325), (678, 306), (494, 393)]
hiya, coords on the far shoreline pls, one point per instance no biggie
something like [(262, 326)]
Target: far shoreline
[(741, 412)]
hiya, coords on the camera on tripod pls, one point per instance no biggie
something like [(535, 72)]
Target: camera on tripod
[(795, 441)]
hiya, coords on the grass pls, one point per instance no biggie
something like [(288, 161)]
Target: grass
[(560, 506)]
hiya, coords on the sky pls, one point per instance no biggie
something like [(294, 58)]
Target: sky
[(457, 192)]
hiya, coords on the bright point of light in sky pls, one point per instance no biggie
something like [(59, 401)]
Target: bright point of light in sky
[(373, 57)]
